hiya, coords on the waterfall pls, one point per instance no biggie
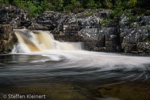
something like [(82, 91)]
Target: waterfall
[(33, 41)]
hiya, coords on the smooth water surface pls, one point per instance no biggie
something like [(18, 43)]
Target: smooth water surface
[(75, 75)]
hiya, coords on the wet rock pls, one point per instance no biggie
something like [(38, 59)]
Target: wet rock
[(7, 38)]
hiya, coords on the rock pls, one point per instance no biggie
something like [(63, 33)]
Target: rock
[(111, 43), (134, 36), (93, 27), (8, 39), (143, 47), (99, 38), (14, 16), (49, 20), (145, 21), (124, 23), (128, 47)]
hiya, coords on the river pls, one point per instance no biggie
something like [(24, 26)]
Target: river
[(35, 70)]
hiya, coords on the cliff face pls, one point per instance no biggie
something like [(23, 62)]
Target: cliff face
[(95, 28)]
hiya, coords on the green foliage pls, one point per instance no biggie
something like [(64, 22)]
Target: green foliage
[(32, 8), (132, 3), (91, 4), (146, 40), (74, 4), (45, 6), (4, 1), (69, 7), (106, 21), (36, 7), (108, 4), (132, 19), (118, 9), (58, 4)]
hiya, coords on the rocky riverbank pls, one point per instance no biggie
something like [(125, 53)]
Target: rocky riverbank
[(95, 28)]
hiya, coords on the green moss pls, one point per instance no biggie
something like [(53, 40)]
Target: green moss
[(132, 19), (146, 40)]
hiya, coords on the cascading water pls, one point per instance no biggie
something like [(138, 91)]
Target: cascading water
[(33, 41), (43, 43), (38, 59)]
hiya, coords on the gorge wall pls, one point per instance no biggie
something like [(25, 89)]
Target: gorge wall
[(95, 28)]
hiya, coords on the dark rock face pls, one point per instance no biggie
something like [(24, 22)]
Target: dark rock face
[(7, 38), (14, 16)]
